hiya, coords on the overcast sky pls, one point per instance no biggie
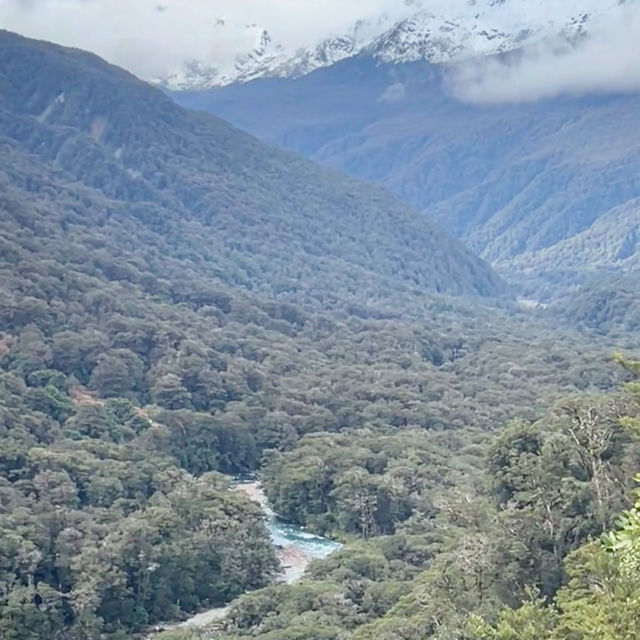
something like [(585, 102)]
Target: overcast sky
[(150, 37)]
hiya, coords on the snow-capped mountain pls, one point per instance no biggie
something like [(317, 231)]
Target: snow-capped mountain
[(265, 57), (263, 54), (434, 30)]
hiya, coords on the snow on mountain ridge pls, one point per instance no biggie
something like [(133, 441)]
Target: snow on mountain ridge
[(266, 58), (447, 30), (262, 53)]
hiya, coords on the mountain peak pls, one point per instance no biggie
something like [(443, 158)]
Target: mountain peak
[(261, 52)]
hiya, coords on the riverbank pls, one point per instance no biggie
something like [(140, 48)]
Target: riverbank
[(295, 549), (254, 491), (294, 560)]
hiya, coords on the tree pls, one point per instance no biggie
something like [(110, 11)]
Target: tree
[(33, 613), (31, 351), (117, 373), (592, 429), (534, 620), (169, 392)]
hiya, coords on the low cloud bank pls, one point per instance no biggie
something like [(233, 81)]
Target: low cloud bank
[(605, 61)]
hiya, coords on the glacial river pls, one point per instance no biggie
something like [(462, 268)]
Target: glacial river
[(296, 548)]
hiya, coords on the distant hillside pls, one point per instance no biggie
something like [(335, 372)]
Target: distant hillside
[(606, 304), (530, 187), (202, 191), (612, 241)]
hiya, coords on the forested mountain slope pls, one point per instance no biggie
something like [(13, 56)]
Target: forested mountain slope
[(250, 215), (534, 188), (604, 303)]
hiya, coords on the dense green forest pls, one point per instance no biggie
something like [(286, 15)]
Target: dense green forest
[(459, 447), (535, 548), (118, 404)]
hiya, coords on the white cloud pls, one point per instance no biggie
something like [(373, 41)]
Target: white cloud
[(606, 61), (154, 37)]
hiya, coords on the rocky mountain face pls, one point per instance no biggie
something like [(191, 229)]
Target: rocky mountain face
[(547, 191), (96, 147), (436, 31)]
